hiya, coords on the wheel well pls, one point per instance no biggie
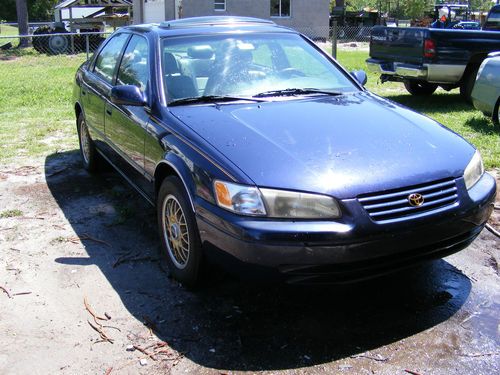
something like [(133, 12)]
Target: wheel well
[(474, 63), (163, 171), (495, 116), (78, 110)]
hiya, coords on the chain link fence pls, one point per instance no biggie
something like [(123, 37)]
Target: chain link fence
[(57, 43)]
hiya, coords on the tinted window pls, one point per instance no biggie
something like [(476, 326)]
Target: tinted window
[(108, 58), (134, 68)]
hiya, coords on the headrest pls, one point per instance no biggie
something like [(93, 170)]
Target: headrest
[(170, 64), (200, 52)]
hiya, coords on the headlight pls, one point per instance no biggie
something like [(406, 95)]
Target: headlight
[(288, 204), (241, 199), (474, 170), (249, 200)]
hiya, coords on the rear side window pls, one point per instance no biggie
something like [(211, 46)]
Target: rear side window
[(134, 68), (108, 58)]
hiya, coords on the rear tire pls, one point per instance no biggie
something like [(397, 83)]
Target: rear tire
[(90, 157), (179, 236), (468, 82), (420, 88)]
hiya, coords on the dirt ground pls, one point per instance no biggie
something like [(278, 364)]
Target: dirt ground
[(74, 245)]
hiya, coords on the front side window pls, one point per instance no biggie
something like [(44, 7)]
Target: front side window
[(280, 8), (220, 5), (107, 60), (134, 68), (246, 65)]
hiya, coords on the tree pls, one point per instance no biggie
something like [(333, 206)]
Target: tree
[(22, 21), (415, 9), (39, 10)]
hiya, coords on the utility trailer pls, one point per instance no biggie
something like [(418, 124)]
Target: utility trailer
[(81, 17)]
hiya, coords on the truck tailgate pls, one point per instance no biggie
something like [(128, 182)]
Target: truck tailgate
[(401, 44)]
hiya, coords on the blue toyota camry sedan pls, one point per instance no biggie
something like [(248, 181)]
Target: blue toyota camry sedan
[(259, 149)]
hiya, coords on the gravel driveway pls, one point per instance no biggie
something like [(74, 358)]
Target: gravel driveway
[(83, 292)]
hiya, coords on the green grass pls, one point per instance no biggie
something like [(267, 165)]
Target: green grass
[(37, 118), (6, 30), (36, 114), (11, 213)]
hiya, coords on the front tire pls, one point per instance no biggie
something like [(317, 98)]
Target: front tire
[(420, 88), (88, 152), (180, 240)]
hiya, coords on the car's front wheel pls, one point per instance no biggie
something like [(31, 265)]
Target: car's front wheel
[(420, 88), (90, 157), (181, 245)]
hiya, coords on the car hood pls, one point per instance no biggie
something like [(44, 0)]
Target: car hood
[(343, 146)]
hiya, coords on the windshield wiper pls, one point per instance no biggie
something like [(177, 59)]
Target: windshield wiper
[(296, 91), (211, 99)]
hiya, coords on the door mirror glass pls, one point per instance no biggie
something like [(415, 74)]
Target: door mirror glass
[(127, 95), (360, 76)]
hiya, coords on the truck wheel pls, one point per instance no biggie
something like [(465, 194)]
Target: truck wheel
[(468, 82), (180, 240), (420, 88)]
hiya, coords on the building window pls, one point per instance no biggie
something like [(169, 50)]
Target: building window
[(280, 8), (220, 5)]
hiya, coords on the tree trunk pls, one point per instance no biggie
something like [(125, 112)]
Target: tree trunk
[(22, 21)]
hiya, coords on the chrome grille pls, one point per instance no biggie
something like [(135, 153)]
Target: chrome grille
[(392, 205)]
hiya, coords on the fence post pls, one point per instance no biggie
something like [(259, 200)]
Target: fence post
[(334, 39), (87, 47)]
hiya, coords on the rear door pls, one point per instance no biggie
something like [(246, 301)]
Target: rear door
[(97, 83), (401, 44)]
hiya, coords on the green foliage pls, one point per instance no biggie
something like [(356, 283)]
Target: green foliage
[(413, 9), (38, 10)]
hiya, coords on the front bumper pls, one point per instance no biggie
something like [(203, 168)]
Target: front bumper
[(353, 248), (434, 73)]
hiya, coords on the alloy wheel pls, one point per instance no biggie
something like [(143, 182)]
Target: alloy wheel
[(85, 142), (175, 232)]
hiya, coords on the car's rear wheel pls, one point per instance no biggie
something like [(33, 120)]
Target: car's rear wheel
[(420, 88), (90, 157), (181, 245)]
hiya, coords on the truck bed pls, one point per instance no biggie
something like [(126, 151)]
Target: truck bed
[(452, 46)]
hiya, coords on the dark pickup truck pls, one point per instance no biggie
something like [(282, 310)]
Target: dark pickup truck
[(424, 59)]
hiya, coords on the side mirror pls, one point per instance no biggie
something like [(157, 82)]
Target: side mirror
[(127, 95), (360, 76)]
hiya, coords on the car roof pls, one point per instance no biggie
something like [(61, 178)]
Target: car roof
[(209, 25)]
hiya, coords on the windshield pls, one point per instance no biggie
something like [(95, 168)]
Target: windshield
[(247, 65)]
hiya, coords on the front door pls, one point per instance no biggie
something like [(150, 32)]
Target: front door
[(126, 125)]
